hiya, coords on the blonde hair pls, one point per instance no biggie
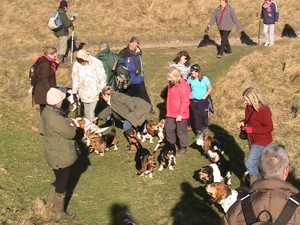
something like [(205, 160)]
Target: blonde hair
[(176, 73), (107, 90), (49, 50), (255, 97)]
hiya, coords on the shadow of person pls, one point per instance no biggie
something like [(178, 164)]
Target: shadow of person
[(120, 215), (206, 41), (288, 31), (78, 168), (246, 40), (191, 210), (162, 106), (231, 148)]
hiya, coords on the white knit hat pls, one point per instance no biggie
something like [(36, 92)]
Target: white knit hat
[(83, 54), (54, 96)]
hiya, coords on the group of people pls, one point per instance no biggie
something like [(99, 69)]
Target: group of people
[(225, 17), (187, 105)]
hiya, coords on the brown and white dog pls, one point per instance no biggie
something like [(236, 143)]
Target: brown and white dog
[(160, 134), (166, 159), (147, 165), (222, 194), (211, 147), (216, 172), (92, 134)]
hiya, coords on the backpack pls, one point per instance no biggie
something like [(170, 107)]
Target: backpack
[(33, 72), (54, 22), (283, 218), (122, 75)]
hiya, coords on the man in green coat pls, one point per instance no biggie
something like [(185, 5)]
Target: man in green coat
[(59, 150), (62, 33), (108, 59)]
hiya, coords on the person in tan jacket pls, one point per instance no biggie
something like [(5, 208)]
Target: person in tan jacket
[(270, 193)]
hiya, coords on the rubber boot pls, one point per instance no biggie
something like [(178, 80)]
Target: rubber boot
[(59, 207), (253, 178), (131, 137), (51, 197)]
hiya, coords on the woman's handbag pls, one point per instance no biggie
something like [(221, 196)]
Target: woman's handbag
[(243, 134)]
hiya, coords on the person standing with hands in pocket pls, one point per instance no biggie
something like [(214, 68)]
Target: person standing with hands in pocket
[(225, 17), (258, 126)]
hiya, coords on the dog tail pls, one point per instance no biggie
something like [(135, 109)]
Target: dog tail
[(113, 126)]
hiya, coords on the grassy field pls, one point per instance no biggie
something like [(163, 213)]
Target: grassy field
[(101, 183)]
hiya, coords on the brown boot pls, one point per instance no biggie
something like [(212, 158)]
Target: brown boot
[(51, 197), (59, 207)]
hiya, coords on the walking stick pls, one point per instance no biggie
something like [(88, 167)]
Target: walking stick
[(258, 36), (72, 43)]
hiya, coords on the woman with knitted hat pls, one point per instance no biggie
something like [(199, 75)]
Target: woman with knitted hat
[(59, 150)]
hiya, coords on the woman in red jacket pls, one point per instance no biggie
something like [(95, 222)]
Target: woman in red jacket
[(258, 125), (177, 109)]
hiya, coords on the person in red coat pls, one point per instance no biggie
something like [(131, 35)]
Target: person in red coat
[(177, 109), (258, 125), (46, 76)]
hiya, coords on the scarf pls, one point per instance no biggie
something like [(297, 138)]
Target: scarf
[(267, 6), (54, 65)]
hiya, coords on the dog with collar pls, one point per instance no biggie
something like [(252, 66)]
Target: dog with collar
[(149, 131), (166, 159), (215, 172), (222, 194)]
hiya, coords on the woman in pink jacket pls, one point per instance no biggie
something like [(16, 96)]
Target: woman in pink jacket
[(177, 109)]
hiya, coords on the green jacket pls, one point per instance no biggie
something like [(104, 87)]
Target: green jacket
[(108, 60), (133, 109), (67, 23), (58, 135)]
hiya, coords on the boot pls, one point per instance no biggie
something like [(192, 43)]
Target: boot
[(59, 207), (253, 178), (51, 197), (131, 137)]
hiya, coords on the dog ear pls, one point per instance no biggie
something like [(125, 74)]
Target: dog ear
[(223, 191)]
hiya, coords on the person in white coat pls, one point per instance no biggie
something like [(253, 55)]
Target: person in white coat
[(88, 79)]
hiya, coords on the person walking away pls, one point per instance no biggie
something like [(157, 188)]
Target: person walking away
[(108, 59), (177, 110), (200, 90), (270, 194), (63, 32), (60, 151), (132, 59), (131, 111), (258, 125), (270, 16), (88, 79), (45, 76), (182, 62), (225, 17)]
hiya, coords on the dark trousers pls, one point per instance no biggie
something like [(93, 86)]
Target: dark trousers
[(178, 129), (224, 42), (199, 112), (42, 107), (61, 179), (139, 90)]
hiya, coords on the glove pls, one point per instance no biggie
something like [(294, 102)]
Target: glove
[(249, 130), (75, 98)]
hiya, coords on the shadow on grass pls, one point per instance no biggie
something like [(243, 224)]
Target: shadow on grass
[(191, 210), (121, 215)]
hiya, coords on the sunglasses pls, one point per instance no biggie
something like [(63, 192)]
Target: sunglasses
[(195, 68)]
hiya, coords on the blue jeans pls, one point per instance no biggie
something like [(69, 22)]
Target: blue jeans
[(253, 158)]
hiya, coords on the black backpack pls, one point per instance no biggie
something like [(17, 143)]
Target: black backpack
[(33, 73), (283, 218), (122, 74)]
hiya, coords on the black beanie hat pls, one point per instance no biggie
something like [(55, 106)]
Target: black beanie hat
[(63, 4)]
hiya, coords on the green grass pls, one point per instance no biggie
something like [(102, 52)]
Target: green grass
[(171, 197)]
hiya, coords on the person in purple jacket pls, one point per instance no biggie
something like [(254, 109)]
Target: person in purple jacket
[(269, 15)]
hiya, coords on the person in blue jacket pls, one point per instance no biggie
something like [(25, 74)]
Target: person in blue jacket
[(132, 59), (269, 15)]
